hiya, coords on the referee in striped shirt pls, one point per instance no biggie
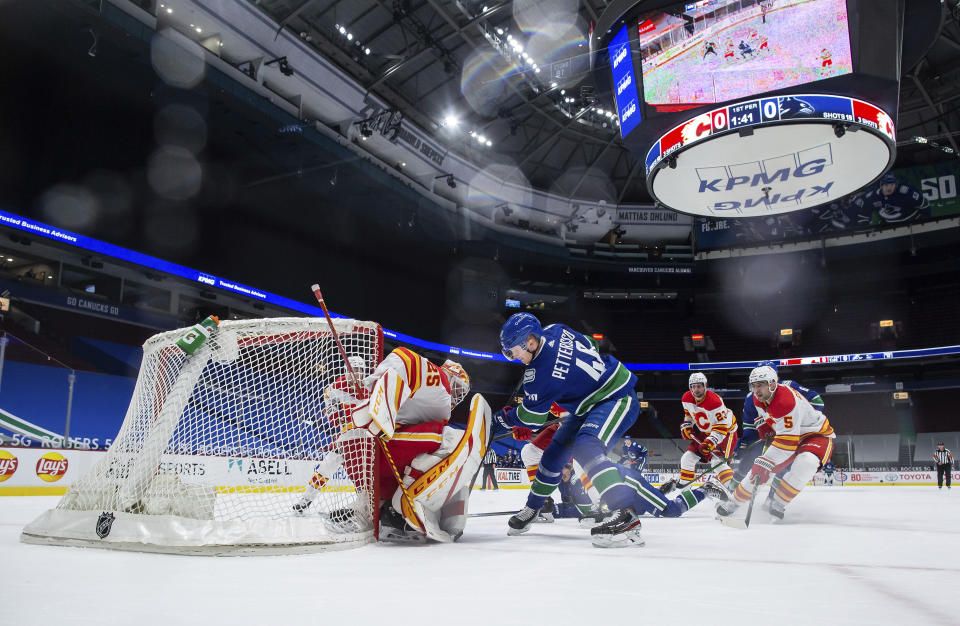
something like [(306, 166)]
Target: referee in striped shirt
[(944, 461)]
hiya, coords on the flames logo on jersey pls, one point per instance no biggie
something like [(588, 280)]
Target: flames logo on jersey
[(8, 465), (51, 467), (696, 128)]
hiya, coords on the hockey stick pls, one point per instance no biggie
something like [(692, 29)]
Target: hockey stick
[(492, 513), (336, 337), (745, 522), (356, 381)]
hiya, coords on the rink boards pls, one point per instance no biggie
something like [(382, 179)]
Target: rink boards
[(41, 471)]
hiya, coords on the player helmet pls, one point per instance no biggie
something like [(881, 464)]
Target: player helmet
[(459, 381), (888, 178), (358, 364), (516, 330), (764, 373), (697, 377)]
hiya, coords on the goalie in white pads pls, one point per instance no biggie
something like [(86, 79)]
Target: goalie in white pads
[(798, 433), (409, 404)]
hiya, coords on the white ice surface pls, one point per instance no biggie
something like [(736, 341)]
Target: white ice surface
[(845, 555)]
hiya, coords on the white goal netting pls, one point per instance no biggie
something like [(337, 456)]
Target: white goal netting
[(217, 447)]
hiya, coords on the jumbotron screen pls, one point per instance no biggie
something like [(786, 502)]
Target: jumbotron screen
[(740, 48)]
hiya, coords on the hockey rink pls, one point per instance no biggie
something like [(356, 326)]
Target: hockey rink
[(849, 555)]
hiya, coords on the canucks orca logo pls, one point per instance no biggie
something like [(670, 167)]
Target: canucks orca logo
[(529, 375)]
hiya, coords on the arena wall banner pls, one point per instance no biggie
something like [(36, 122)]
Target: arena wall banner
[(510, 478), (920, 194), (44, 471)]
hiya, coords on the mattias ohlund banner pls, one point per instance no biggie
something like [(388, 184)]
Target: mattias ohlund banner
[(912, 194)]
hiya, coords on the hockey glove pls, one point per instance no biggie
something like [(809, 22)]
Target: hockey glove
[(762, 468), (765, 430), (522, 433), (500, 422), (706, 450)]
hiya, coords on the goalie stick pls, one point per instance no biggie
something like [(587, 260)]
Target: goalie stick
[(353, 375)]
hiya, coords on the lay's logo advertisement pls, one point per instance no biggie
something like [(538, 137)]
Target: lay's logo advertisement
[(51, 467), (8, 465)]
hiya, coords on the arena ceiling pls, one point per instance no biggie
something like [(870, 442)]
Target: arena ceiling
[(433, 59)]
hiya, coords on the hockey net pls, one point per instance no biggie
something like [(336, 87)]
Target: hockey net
[(216, 447)]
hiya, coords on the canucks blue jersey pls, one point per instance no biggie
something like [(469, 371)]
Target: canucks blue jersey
[(568, 370), (904, 204), (634, 455), (829, 468)]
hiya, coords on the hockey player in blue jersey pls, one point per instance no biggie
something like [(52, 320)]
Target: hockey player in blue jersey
[(598, 391), (633, 454), (891, 203), (829, 469)]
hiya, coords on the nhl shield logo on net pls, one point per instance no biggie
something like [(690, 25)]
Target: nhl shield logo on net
[(104, 524)]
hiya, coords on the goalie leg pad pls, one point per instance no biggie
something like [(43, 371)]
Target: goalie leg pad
[(439, 478)]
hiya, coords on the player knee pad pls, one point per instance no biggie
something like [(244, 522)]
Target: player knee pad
[(805, 465), (531, 455), (689, 460)]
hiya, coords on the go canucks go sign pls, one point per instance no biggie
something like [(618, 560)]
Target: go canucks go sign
[(770, 155)]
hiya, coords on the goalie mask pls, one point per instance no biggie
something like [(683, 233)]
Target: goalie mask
[(459, 381)]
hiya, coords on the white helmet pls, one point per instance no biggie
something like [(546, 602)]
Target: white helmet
[(764, 373), (358, 364), (697, 377), (459, 381)]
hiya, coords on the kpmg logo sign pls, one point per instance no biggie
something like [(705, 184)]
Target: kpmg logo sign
[(802, 153), (620, 53), (624, 82), (749, 185)]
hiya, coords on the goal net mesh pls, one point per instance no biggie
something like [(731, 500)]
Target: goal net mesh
[(217, 447)]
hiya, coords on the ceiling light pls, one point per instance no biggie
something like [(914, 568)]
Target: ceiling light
[(481, 139), (554, 85), (451, 120), (367, 51), (563, 91), (199, 30), (489, 143), (349, 36), (169, 10), (537, 70), (499, 31), (9, 260), (403, 164), (343, 31)]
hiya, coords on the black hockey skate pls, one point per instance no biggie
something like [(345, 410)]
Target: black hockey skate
[(715, 492), (620, 531), (776, 508), (395, 529), (545, 516), (520, 522)]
